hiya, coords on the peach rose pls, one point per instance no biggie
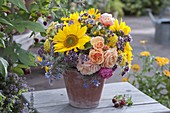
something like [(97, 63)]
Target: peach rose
[(97, 42), (106, 19), (87, 68), (110, 58), (96, 56)]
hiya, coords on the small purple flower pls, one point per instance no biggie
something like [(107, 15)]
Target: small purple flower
[(58, 76), (85, 85), (105, 72), (96, 83)]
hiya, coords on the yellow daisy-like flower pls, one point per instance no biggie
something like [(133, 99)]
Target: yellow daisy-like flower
[(47, 68), (128, 51), (112, 41), (122, 26), (125, 79), (71, 37), (73, 16), (39, 58), (145, 53), (161, 61), (94, 13), (167, 73), (135, 67), (47, 46)]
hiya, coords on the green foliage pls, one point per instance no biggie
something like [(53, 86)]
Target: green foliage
[(3, 67), (115, 6), (138, 7), (151, 78)]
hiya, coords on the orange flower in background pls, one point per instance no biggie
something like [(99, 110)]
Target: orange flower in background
[(161, 61), (125, 79), (96, 56), (135, 67), (145, 53), (167, 73), (97, 42)]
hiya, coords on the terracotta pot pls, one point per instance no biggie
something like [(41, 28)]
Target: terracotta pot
[(78, 95)]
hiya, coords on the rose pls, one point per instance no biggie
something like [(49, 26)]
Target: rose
[(96, 56), (105, 73), (106, 19), (97, 42), (87, 67), (110, 58)]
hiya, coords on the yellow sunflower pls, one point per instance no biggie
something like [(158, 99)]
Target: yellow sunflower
[(94, 13), (122, 26), (128, 51), (73, 16), (71, 37)]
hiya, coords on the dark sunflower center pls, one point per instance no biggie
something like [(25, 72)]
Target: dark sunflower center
[(71, 41)]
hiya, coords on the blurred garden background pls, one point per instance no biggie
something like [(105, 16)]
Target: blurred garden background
[(22, 32)]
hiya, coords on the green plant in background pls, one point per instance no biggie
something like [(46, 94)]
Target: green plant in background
[(16, 17), (115, 6), (138, 7), (152, 77)]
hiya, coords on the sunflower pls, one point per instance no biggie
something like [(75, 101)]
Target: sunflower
[(122, 26), (71, 37), (95, 13), (128, 51), (73, 16)]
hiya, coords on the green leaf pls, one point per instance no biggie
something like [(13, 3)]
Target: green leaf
[(19, 3), (22, 25), (22, 66), (2, 43), (26, 58), (1, 2), (3, 67), (36, 27), (1, 34), (17, 70), (2, 20)]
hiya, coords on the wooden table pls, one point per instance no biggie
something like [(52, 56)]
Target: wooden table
[(56, 101)]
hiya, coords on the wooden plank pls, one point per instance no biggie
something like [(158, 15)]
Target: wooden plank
[(147, 108), (58, 97)]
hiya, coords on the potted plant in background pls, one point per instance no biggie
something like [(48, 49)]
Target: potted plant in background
[(86, 48)]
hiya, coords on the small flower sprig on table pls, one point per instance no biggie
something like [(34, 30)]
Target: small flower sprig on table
[(121, 100)]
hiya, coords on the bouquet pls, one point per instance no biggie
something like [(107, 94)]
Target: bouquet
[(92, 43)]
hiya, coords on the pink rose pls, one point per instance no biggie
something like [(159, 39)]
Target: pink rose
[(106, 19), (87, 68), (97, 42), (110, 58), (96, 56)]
